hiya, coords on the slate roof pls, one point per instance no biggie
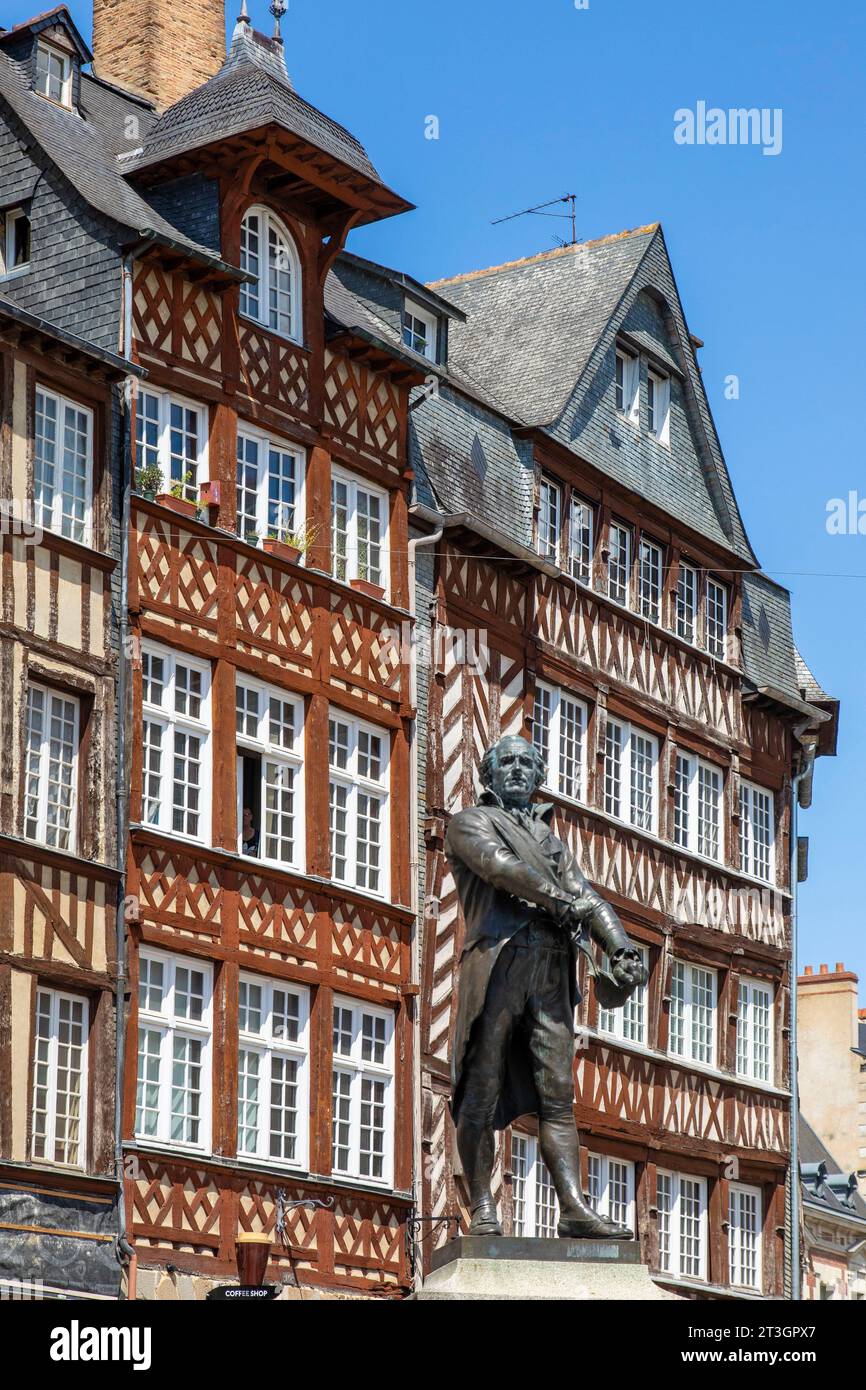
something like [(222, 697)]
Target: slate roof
[(110, 108), (83, 154), (829, 1189), (768, 638), (251, 89), (806, 682)]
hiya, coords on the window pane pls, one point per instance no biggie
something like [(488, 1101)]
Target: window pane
[(186, 1079), (619, 564), (247, 488), (642, 781), (613, 769)]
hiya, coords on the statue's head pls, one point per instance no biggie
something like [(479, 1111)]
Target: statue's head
[(513, 769)]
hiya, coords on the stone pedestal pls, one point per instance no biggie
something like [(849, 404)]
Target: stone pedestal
[(510, 1267)]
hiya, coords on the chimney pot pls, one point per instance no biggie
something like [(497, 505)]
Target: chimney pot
[(824, 970)]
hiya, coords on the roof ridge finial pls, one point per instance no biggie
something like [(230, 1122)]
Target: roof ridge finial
[(244, 16), (277, 8)]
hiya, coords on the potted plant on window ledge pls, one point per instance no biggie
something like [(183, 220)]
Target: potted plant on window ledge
[(290, 545), (366, 586), (148, 480), (175, 498)]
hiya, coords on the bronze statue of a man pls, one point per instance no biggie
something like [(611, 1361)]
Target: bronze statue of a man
[(528, 909)]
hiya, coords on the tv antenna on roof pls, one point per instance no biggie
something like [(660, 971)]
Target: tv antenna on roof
[(540, 210)]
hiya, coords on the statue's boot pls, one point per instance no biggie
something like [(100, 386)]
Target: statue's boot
[(560, 1148), (476, 1147)]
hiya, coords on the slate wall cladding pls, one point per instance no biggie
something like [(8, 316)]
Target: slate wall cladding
[(382, 297), (74, 279), (192, 204)]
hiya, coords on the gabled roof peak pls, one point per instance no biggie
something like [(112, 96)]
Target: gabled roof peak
[(556, 254), (48, 19), (249, 46)]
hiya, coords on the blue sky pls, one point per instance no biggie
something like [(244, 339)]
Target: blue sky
[(536, 100)]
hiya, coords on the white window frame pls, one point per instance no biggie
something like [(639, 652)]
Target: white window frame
[(549, 525), (278, 756), (686, 1007), (53, 503), (170, 1025), (692, 776), (415, 317), (165, 717), (48, 55), (534, 1214), (602, 1171), (357, 784), (751, 795), (272, 518), (627, 385), (160, 452), (745, 1258), (659, 407), (255, 305), (38, 827), (271, 1050), (353, 544), (630, 1023), (621, 789), (686, 603), (754, 1013), (650, 579), (581, 523), (353, 1065), (555, 713), (48, 1066), (675, 1262), (619, 559), (716, 619), (10, 219)]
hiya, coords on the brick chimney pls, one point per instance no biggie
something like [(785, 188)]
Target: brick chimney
[(831, 1086), (161, 49)]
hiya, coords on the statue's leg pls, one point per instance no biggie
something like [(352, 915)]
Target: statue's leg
[(551, 1042), (483, 1076)]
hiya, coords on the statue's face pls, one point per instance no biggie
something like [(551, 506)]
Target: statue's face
[(514, 774)]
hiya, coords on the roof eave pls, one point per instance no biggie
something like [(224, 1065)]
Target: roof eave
[(113, 366)]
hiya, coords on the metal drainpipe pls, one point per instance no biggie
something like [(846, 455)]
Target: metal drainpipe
[(415, 854), (796, 1272), (125, 1250)]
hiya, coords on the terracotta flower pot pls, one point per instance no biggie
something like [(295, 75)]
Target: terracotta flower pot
[(181, 505), (281, 550), (365, 587)]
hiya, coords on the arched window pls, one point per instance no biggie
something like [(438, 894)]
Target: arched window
[(268, 252)]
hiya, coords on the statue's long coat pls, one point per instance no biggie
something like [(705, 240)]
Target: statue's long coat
[(509, 874)]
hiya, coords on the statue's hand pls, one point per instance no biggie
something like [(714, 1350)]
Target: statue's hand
[(578, 910), (628, 969)]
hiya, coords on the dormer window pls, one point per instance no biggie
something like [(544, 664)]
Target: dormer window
[(420, 330), (273, 297), (14, 241), (628, 385), (659, 406), (54, 74)]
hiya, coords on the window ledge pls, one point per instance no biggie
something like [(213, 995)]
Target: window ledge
[(654, 1054)]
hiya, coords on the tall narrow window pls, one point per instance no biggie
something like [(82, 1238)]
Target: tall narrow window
[(682, 1225), (273, 1070), (744, 1236), (171, 434), (53, 74), (63, 466), (549, 519), (755, 1031), (420, 330), (559, 734), (650, 571), (358, 530), (60, 1078), (757, 832), (269, 726), (176, 738), (269, 487), (629, 1023), (659, 406), (611, 1188), (173, 1099), (717, 619), (14, 241), (51, 768), (363, 1091), (693, 1013), (534, 1204), (687, 603), (580, 541), (627, 389), (698, 806), (269, 255), (358, 758), (619, 563), (631, 775)]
